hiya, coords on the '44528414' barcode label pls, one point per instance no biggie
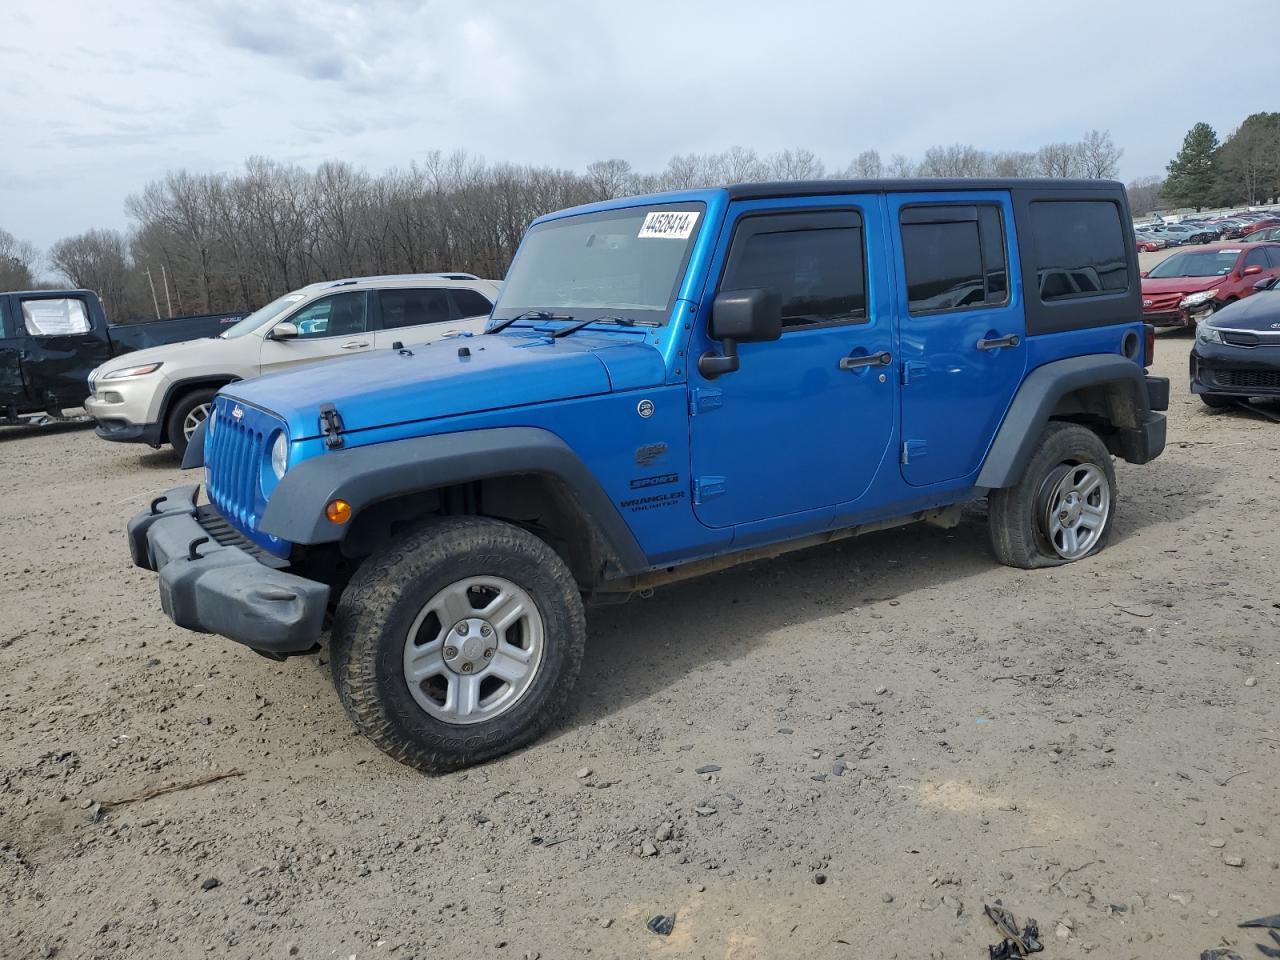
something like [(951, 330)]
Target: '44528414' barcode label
[(669, 224)]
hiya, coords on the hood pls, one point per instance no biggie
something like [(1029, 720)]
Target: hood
[(452, 377), (166, 353), (1259, 312), (1179, 284)]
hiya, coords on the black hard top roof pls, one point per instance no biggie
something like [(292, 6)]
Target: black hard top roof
[(809, 188)]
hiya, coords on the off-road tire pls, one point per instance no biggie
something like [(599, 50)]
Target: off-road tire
[(379, 605), (178, 414), (1018, 536), (1216, 402)]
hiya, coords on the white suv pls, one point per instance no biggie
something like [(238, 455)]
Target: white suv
[(161, 395)]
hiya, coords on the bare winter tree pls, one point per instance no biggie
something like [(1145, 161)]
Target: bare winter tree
[(19, 262), (97, 260), (865, 166), (900, 166), (1058, 160), (1098, 156)]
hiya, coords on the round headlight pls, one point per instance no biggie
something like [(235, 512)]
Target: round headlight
[(213, 421), (280, 456)]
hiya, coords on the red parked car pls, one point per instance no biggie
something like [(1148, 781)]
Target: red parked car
[(1185, 288)]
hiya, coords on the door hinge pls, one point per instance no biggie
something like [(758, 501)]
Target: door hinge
[(912, 450), (913, 371), (702, 399), (704, 488)]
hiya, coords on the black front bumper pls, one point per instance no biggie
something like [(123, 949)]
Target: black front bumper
[(122, 431), (213, 580), (1223, 369)]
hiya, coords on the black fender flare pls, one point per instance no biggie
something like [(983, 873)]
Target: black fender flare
[(1036, 399), (365, 475), (179, 387)]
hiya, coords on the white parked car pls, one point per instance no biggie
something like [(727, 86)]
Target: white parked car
[(162, 394)]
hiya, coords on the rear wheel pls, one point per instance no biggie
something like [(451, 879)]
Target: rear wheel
[(458, 643), (186, 415), (1061, 509)]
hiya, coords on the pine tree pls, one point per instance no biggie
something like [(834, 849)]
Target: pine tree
[(1193, 173)]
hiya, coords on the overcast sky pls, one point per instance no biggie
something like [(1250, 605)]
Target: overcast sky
[(97, 98)]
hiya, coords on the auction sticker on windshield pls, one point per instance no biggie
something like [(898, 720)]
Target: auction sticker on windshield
[(668, 224)]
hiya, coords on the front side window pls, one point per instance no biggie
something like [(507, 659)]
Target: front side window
[(62, 317), (341, 315), (815, 262), (1080, 248), (412, 308), (954, 257), (1273, 254), (1256, 258), (626, 262)]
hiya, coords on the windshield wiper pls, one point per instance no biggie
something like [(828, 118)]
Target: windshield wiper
[(527, 315), (575, 327)]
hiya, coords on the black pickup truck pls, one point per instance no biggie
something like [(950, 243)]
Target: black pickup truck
[(51, 339)]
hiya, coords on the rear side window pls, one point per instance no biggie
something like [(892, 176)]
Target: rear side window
[(412, 308), (468, 303), (816, 262), (62, 317), (954, 257), (1080, 248)]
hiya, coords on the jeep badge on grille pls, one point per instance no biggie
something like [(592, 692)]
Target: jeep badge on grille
[(237, 412)]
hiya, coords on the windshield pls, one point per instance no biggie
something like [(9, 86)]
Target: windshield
[(624, 263), (260, 316), (1204, 263)]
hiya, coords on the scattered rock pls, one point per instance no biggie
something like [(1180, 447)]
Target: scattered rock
[(708, 768), (819, 878), (1063, 932), (704, 811), (881, 691), (839, 767), (647, 849), (1251, 682), (1233, 861), (886, 898), (665, 831), (1217, 843), (662, 925), (583, 773), (48, 950)]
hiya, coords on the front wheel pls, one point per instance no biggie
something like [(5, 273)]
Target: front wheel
[(186, 415), (458, 643), (1061, 509)]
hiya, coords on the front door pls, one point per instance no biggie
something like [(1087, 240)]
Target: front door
[(961, 327), (62, 347), (794, 428), (333, 326), (13, 395)]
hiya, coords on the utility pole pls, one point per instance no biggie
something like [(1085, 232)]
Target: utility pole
[(169, 303), (154, 301)]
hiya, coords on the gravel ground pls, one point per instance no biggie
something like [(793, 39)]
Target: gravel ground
[(893, 731)]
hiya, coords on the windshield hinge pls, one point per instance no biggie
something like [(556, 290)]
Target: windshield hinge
[(331, 426)]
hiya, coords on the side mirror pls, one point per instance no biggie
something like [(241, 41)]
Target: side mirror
[(1266, 283), (1143, 274), (740, 316), (284, 330), (1252, 270)]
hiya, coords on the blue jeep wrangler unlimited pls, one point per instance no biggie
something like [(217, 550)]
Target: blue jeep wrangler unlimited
[(668, 385)]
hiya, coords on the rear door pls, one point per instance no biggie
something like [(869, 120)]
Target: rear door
[(332, 326), (412, 315), (962, 329), (63, 344), (13, 393)]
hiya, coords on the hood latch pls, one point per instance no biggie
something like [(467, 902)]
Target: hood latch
[(331, 426)]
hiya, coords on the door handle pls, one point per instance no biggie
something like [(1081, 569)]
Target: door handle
[(881, 359), (998, 343), (355, 345)]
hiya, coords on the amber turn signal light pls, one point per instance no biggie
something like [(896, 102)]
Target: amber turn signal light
[(338, 511)]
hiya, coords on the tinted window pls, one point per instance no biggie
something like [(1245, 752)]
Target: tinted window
[(55, 318), (1273, 253), (468, 303), (337, 316), (412, 308), (819, 273), (1080, 248), (954, 257), (3, 334), (1256, 258)]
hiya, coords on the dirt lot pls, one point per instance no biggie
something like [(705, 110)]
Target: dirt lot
[(898, 717)]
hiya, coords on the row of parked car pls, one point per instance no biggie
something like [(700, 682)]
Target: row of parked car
[(1251, 226)]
